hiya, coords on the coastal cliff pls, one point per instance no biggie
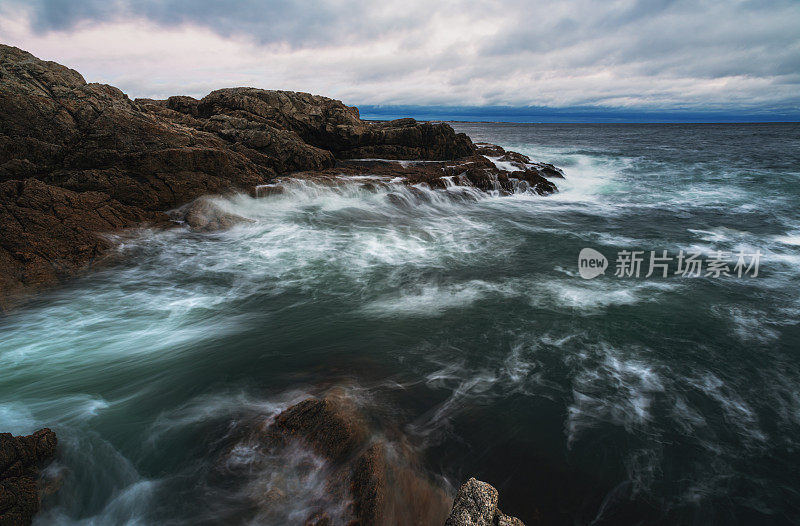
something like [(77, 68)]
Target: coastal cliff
[(80, 159)]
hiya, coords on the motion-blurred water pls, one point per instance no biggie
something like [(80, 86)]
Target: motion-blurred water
[(673, 400)]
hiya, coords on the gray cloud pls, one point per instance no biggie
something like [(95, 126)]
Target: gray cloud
[(300, 23), (632, 53)]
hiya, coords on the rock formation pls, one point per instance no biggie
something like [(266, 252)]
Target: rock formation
[(79, 158), (20, 459)]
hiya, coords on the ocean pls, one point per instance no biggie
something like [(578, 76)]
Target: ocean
[(612, 400)]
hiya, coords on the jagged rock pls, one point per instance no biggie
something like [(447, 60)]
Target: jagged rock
[(78, 158), (20, 459), (206, 215), (505, 520), (518, 160), (476, 505), (329, 125), (476, 171)]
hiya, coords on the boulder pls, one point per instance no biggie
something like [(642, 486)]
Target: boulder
[(476, 505), (381, 479), (20, 459)]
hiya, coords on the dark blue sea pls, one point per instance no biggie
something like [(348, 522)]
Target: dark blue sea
[(613, 400)]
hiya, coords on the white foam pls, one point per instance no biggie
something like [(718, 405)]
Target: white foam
[(750, 324), (792, 239), (505, 165), (431, 300)]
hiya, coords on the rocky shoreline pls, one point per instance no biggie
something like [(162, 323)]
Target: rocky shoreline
[(78, 159)]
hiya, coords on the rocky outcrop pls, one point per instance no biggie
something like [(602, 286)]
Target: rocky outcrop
[(476, 171), (79, 158), (476, 505), (20, 459), (517, 160)]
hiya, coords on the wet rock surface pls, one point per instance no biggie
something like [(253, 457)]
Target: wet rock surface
[(328, 464), (205, 214), (20, 460), (476, 171), (78, 159), (476, 505)]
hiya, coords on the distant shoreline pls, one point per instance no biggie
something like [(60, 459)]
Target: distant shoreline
[(677, 123)]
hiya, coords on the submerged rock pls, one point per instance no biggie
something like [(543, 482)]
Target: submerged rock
[(332, 427), (206, 215), (476, 505), (369, 478), (20, 459)]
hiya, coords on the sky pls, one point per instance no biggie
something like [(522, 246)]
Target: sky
[(571, 59)]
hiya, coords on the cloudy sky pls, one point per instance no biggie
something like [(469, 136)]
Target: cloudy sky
[(733, 56)]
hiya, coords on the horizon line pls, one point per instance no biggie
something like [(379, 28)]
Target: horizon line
[(584, 122), (576, 114)]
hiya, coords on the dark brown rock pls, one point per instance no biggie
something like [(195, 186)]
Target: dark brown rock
[(389, 488), (329, 125), (332, 427), (49, 233), (368, 485), (184, 104), (77, 159), (20, 459), (381, 479)]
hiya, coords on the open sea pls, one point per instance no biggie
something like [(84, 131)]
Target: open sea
[(612, 400)]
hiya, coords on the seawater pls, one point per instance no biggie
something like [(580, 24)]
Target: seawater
[(613, 400)]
